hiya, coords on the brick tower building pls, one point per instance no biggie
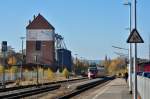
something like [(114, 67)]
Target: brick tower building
[(40, 41)]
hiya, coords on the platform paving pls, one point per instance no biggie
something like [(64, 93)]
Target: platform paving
[(116, 89)]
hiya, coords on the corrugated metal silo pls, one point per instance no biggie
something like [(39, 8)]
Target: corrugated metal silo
[(64, 59)]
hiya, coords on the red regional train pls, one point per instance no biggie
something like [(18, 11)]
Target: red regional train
[(96, 71)]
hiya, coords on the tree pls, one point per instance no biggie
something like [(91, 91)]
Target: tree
[(106, 63), (20, 58), (117, 65), (14, 71), (81, 66), (50, 73), (12, 60), (65, 73), (1, 69)]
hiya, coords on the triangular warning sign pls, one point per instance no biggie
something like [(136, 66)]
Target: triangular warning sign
[(134, 37)]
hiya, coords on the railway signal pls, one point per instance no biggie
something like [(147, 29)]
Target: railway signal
[(4, 50)]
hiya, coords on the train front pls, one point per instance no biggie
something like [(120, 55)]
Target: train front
[(92, 73)]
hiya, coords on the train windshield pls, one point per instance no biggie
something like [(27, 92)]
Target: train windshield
[(93, 70)]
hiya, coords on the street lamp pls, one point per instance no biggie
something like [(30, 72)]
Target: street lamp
[(81, 58), (4, 52), (42, 60), (37, 73), (130, 47), (11, 51), (42, 54), (75, 67), (22, 39), (62, 60)]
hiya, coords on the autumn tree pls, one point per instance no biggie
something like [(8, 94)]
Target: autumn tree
[(50, 73), (117, 65), (106, 63), (12, 60), (1, 69), (81, 66), (65, 73)]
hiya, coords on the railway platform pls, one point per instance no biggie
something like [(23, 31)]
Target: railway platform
[(116, 89)]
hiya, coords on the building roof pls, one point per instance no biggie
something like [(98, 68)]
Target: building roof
[(39, 22)]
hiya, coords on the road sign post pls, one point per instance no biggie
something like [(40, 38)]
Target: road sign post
[(135, 38), (135, 71)]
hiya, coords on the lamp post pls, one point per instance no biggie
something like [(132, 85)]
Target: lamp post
[(149, 47), (75, 67), (42, 60), (22, 40), (135, 55), (130, 48), (4, 66), (37, 72), (11, 51), (135, 38), (4, 52), (62, 60)]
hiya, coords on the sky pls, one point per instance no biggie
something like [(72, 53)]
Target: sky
[(90, 27)]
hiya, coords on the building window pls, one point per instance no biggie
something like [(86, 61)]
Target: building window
[(38, 46)]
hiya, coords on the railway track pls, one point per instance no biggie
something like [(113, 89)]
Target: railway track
[(84, 87), (35, 85), (33, 91), (6, 83), (24, 91)]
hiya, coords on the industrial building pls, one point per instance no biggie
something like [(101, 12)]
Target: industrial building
[(64, 59), (45, 47), (40, 44)]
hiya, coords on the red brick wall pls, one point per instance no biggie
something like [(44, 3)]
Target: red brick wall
[(45, 56)]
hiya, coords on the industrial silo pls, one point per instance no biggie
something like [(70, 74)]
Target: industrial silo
[(64, 59)]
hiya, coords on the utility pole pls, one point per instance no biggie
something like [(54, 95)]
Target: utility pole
[(149, 47), (130, 47), (75, 67), (4, 51), (37, 72), (4, 65), (62, 60), (22, 38), (135, 38), (135, 57)]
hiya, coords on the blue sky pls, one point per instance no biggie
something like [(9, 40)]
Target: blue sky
[(90, 27)]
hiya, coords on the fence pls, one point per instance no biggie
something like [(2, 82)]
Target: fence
[(143, 86)]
